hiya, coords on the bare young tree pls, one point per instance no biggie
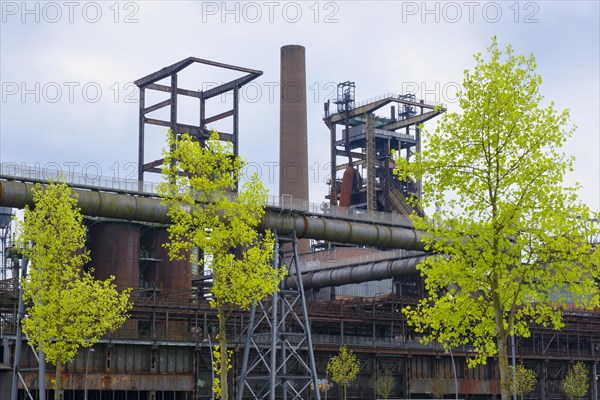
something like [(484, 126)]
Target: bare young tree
[(440, 383), (383, 385)]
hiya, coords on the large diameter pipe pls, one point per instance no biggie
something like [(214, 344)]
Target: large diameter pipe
[(145, 209), (342, 231), (358, 273), (92, 203)]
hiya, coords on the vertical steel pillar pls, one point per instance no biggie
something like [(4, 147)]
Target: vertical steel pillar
[(595, 376), (387, 178), (281, 368), (236, 126), (173, 118), (544, 384), (245, 356), (282, 363), (236, 122), (173, 121), (19, 339), (418, 150), (371, 164), (141, 125), (272, 378), (334, 192), (202, 114)]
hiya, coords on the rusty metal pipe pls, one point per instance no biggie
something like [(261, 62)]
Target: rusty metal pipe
[(342, 231), (146, 209), (345, 275), (92, 203)]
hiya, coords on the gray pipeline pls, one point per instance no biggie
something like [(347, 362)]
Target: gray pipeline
[(129, 207), (375, 271)]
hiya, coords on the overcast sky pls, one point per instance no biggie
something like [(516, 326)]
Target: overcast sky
[(67, 67)]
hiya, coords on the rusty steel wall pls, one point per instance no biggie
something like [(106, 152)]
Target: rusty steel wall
[(115, 248), (125, 367), (173, 366), (169, 275)]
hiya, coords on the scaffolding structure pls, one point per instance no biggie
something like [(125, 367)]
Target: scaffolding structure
[(198, 132)]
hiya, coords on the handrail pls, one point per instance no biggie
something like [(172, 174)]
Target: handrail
[(396, 96), (284, 202)]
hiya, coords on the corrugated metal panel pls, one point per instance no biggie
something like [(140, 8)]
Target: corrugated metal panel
[(465, 386), (114, 382)]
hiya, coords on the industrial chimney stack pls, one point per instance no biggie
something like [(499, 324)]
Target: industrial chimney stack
[(293, 142)]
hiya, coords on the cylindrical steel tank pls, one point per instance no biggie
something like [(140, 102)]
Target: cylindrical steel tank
[(293, 138), (169, 275), (115, 248)]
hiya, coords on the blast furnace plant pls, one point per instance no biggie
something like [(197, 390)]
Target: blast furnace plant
[(352, 260)]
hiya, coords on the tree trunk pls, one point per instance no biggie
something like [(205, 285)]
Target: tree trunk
[(224, 354), (503, 366), (58, 379), (344, 392), (501, 338)]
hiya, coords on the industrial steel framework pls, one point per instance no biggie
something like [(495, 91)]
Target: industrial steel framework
[(199, 132), (5, 242), (367, 142), (277, 367), (375, 328), (278, 342), (337, 224)]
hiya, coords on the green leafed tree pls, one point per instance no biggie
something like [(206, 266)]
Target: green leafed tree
[(343, 368), (199, 189), (576, 383), (510, 235), (383, 385), (67, 308), (521, 380)]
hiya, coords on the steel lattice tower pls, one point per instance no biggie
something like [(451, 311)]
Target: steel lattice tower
[(278, 359)]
